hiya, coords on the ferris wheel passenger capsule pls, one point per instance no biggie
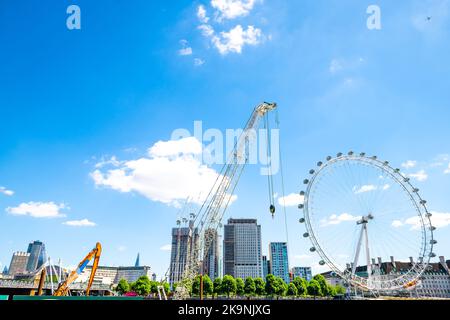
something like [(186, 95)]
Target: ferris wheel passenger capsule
[(433, 242), (374, 157), (301, 220), (423, 202), (397, 170), (432, 228), (312, 249), (322, 263), (339, 154), (301, 206), (362, 154), (319, 164), (350, 153), (311, 171), (329, 158), (306, 181), (429, 215), (306, 235), (302, 193), (386, 163), (432, 255)]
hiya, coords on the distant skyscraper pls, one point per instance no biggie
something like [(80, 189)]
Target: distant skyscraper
[(38, 256), (242, 248), (266, 266), (181, 250), (137, 263), (211, 263), (302, 272), (279, 262), (5, 270), (19, 262)]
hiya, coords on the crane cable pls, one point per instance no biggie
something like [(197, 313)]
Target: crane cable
[(269, 165), (277, 121)]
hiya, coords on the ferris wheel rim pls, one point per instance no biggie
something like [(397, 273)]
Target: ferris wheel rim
[(426, 251)]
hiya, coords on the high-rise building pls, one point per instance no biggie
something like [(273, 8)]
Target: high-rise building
[(302, 272), (184, 240), (266, 266), (242, 248), (211, 263), (19, 262), (279, 262), (5, 270), (137, 263), (38, 256)]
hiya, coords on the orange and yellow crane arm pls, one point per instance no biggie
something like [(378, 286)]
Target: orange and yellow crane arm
[(63, 288)]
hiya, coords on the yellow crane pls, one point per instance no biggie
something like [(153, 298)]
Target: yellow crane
[(63, 288)]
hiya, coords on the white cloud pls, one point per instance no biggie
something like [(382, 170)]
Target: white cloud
[(186, 146), (80, 223), (38, 210), (419, 176), (438, 220), (397, 224), (111, 161), (166, 247), (171, 173), (409, 164), (235, 39), (121, 248), (365, 188), (185, 50), (335, 66), (206, 29), (6, 192), (198, 62), (292, 200), (447, 171), (231, 9), (201, 14), (338, 219)]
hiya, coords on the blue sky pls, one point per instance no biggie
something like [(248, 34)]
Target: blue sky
[(136, 71)]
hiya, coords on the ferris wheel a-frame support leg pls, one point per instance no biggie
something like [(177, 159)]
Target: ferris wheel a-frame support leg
[(364, 233)]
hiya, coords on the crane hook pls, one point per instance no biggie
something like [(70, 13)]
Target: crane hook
[(272, 210)]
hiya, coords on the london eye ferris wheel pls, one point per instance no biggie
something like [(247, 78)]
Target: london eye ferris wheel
[(359, 214)]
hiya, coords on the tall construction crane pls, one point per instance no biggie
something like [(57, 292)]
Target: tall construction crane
[(63, 288), (210, 214)]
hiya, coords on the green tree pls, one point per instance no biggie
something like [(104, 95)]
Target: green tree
[(166, 287), (260, 287), (340, 289), (271, 285), (196, 286), (314, 288), (281, 287), (331, 290), (301, 285), (228, 285), (324, 286), (250, 287), (123, 286), (208, 287), (142, 286), (240, 286), (292, 290), (217, 286)]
